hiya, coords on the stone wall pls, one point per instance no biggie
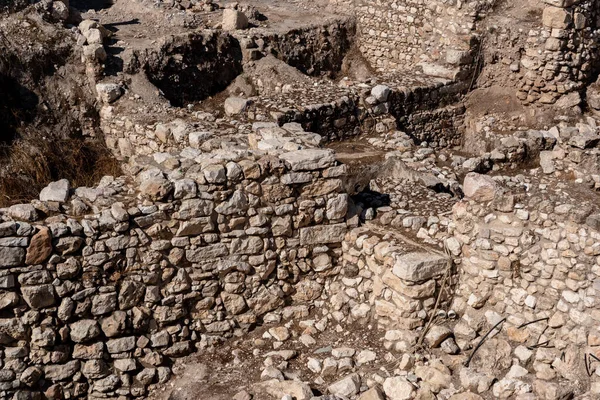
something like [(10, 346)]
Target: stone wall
[(102, 290), (561, 55), (334, 121), (428, 113), (400, 35), (530, 259), (406, 278)]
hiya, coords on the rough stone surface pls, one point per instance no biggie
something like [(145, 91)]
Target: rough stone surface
[(56, 191), (480, 187)]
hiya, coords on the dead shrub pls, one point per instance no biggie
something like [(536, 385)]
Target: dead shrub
[(30, 164)]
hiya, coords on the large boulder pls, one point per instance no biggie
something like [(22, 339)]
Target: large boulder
[(480, 187)]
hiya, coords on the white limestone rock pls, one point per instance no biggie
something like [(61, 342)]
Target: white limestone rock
[(309, 159), (56, 191)]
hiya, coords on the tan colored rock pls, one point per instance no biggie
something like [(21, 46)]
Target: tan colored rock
[(556, 17), (277, 389), (234, 19), (480, 187), (40, 247), (437, 334), (434, 377), (517, 335), (398, 388), (466, 396)]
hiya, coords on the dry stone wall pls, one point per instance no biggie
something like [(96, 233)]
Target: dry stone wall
[(98, 305), (561, 55), (530, 259), (405, 278), (398, 35)]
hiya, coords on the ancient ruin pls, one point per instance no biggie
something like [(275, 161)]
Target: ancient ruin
[(300, 199)]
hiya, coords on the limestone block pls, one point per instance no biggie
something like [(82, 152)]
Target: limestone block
[(309, 159), (419, 266), (556, 17), (56, 191), (234, 19), (480, 187), (323, 234)]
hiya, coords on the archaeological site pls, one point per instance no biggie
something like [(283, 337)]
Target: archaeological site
[(300, 199)]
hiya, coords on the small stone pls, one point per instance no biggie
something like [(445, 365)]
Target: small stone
[(398, 388), (346, 387), (365, 357), (243, 395), (437, 334), (280, 333), (235, 105), (108, 92), (234, 19), (372, 394), (381, 93), (342, 352), (314, 365)]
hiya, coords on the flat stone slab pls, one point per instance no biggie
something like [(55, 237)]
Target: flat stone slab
[(323, 234), (309, 159), (419, 266)]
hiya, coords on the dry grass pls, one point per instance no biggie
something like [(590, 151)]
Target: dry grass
[(30, 165)]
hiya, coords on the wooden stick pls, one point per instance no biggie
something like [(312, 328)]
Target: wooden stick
[(481, 341)]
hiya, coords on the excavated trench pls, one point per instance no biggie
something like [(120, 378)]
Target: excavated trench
[(190, 68)]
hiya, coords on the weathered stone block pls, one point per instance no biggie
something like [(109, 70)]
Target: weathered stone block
[(418, 266), (11, 256), (323, 234), (309, 159), (206, 253), (234, 19), (556, 17), (39, 296)]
